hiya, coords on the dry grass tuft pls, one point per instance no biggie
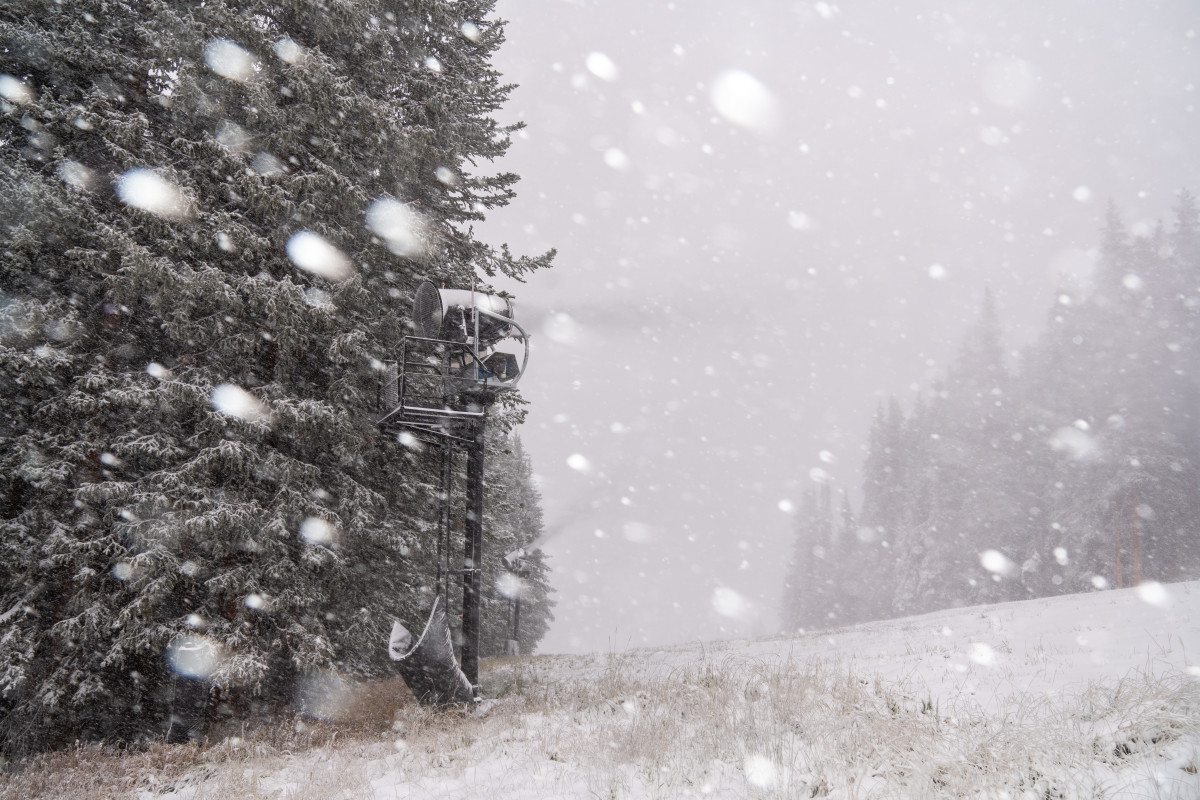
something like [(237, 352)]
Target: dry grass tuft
[(108, 772), (375, 704), (97, 772)]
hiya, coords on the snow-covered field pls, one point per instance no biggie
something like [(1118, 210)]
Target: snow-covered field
[(1094, 696)]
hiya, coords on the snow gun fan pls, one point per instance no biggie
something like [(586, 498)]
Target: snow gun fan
[(484, 323), (466, 348)]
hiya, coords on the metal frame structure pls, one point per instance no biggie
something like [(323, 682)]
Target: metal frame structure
[(440, 390)]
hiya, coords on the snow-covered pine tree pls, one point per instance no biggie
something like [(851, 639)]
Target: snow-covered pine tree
[(214, 216), (970, 443), (1113, 379), (1182, 333), (1081, 470), (885, 493), (797, 580), (820, 584), (513, 522)]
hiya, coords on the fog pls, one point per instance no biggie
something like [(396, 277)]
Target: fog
[(769, 219)]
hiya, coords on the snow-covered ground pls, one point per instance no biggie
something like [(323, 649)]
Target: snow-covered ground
[(1086, 696)]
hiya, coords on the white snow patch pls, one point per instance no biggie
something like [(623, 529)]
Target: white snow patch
[(981, 654), (760, 771), (317, 298)]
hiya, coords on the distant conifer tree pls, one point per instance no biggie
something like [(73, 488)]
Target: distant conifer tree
[(514, 526), (1079, 470)]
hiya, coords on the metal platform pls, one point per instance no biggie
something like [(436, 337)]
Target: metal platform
[(438, 388)]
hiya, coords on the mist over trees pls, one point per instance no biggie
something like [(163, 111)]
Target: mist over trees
[(1076, 469), (214, 220)]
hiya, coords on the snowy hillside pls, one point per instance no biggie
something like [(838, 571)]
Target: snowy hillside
[(1084, 696)]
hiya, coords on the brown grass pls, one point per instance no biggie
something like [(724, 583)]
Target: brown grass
[(97, 772), (109, 772), (375, 704)]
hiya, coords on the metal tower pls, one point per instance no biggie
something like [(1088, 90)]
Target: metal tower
[(466, 350)]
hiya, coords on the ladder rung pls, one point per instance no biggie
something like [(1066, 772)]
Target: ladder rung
[(439, 412)]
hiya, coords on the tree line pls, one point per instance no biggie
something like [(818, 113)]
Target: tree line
[(1076, 469), (214, 219)]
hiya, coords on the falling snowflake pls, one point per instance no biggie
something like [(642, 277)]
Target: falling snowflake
[(234, 401), (314, 254), (230, 60), (742, 99), (146, 190)]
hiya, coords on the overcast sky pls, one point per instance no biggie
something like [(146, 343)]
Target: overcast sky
[(771, 216)]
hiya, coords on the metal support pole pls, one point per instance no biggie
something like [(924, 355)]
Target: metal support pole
[(443, 542), (473, 556), (516, 633)]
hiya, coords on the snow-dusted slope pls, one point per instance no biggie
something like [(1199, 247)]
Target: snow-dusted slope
[(1087, 696)]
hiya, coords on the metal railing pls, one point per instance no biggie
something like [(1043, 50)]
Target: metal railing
[(437, 379)]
